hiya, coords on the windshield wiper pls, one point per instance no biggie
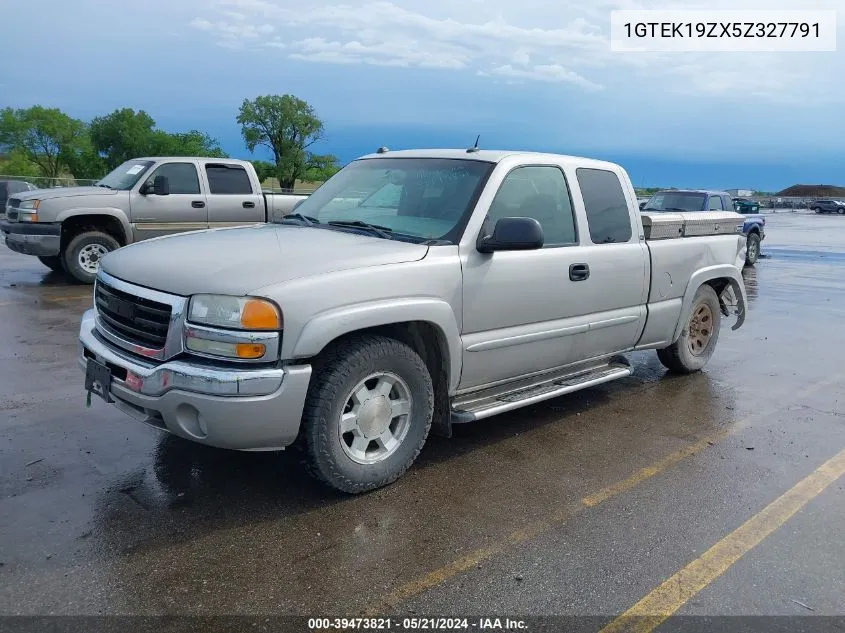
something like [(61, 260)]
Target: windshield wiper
[(381, 231), (307, 219), (99, 184)]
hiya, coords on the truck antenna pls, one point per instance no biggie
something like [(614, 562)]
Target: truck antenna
[(474, 148)]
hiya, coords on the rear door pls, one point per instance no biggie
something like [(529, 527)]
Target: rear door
[(232, 200), (184, 209), (617, 289)]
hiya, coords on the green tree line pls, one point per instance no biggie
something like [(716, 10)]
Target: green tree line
[(46, 142)]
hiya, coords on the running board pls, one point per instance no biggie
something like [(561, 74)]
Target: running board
[(490, 402)]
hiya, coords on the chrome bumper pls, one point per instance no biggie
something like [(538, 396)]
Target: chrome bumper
[(245, 409)]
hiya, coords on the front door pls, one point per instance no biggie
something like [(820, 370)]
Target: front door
[(520, 309), (184, 209)]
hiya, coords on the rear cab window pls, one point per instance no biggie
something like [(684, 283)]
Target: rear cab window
[(226, 179), (608, 215)]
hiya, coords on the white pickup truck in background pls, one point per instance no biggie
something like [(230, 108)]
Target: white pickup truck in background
[(71, 228)]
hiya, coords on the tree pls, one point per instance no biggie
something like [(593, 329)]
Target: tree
[(122, 135), (47, 137), (264, 169), (287, 126), (321, 167), (192, 143), (125, 134), (16, 163)]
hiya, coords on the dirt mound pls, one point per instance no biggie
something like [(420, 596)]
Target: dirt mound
[(812, 191)]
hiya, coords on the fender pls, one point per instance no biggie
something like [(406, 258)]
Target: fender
[(327, 326), (702, 276), (117, 214)]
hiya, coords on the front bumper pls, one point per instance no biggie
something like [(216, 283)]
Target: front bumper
[(42, 240), (243, 409)]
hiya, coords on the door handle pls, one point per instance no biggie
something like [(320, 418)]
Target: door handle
[(579, 272), (249, 204), (197, 204)]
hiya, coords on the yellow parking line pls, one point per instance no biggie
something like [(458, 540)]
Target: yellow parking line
[(671, 595), (688, 451), (440, 575)]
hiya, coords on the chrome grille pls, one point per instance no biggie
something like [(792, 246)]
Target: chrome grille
[(136, 319), (14, 202)]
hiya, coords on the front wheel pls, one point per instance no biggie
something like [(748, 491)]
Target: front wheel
[(752, 249), (367, 414), (83, 254), (698, 339)]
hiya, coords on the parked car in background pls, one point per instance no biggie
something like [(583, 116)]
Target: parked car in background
[(744, 205), (412, 291), (9, 187), (688, 200), (827, 206), (73, 228)]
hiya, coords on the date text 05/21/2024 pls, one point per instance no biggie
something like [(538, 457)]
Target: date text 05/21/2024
[(413, 624)]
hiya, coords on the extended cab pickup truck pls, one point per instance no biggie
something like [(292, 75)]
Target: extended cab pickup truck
[(71, 228), (412, 291)]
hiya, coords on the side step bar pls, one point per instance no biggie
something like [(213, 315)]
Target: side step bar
[(485, 404)]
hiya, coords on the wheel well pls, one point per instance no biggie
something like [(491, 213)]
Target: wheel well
[(427, 340), (77, 224)]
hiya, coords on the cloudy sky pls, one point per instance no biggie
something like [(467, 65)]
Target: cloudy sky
[(530, 74)]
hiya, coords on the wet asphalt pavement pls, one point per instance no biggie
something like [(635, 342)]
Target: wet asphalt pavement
[(578, 506)]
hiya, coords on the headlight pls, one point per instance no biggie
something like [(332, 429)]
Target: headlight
[(239, 313), (29, 204)]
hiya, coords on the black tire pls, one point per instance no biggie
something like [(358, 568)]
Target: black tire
[(678, 357), (337, 372), (752, 249), (54, 263), (841, 210), (86, 240)]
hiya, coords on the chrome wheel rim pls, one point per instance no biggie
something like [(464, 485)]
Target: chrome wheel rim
[(753, 248), (90, 256), (376, 418), (700, 329)]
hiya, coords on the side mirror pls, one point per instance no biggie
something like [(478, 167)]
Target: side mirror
[(161, 186), (513, 234), (642, 205)]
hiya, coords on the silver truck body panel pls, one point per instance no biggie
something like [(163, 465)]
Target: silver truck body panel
[(240, 260), (513, 325)]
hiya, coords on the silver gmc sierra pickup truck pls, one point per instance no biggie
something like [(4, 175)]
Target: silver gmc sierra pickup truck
[(72, 228), (414, 290)]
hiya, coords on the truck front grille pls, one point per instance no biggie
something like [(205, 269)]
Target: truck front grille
[(138, 320), (14, 202)]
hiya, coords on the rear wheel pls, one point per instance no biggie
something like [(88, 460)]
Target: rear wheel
[(367, 414), (752, 249), (698, 339), (53, 263), (83, 254)]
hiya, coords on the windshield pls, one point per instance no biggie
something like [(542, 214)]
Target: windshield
[(676, 201), (126, 175), (421, 198)]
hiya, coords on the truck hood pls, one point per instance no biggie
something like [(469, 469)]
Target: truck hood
[(63, 192), (239, 260)]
